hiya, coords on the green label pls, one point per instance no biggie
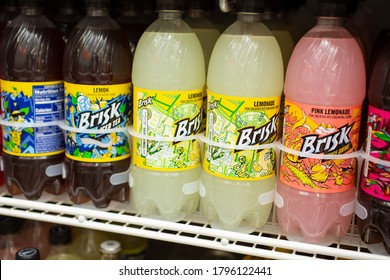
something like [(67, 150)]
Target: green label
[(167, 114), (242, 122)]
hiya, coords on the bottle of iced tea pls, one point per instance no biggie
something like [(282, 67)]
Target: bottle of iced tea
[(97, 74)]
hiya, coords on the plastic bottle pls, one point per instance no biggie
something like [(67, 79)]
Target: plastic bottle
[(169, 77), (204, 28), (284, 39), (110, 249), (32, 92), (97, 74), (373, 206), (86, 242), (36, 233), (28, 253), (9, 11), (10, 239), (132, 247), (60, 240), (245, 83), (324, 89), (68, 15), (208, 34), (277, 28), (132, 21)]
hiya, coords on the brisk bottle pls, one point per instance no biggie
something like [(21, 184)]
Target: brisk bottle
[(169, 77), (32, 93), (97, 74), (373, 209), (244, 87), (324, 89)]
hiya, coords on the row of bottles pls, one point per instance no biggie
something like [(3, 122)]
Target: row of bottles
[(26, 239), (162, 86)]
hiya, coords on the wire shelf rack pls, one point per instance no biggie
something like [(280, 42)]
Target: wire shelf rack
[(267, 243)]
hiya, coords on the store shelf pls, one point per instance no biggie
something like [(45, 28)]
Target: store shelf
[(122, 218)]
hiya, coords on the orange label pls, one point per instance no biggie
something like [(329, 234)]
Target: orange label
[(324, 130)]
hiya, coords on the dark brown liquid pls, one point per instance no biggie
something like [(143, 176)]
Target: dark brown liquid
[(31, 51), (97, 53)]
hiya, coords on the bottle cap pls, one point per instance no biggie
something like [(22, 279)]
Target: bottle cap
[(10, 225), (29, 253), (97, 3), (250, 6), (60, 234), (175, 5), (110, 247), (332, 8)]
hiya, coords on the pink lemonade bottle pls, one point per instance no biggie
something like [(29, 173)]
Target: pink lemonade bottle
[(324, 90)]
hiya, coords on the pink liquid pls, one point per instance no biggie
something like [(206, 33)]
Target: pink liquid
[(323, 72)]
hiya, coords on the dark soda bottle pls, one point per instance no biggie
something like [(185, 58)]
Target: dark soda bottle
[(32, 92), (68, 15), (10, 237), (97, 73), (373, 211), (9, 11), (132, 21)]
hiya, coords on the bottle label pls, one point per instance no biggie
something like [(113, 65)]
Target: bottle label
[(242, 122), (32, 102), (97, 107), (323, 130), (167, 114), (376, 180)]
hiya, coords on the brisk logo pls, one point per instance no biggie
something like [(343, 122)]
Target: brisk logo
[(107, 117), (327, 144), (187, 127), (250, 136)]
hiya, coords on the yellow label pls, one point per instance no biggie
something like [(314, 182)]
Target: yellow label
[(244, 122), (167, 114), (97, 107), (33, 102)]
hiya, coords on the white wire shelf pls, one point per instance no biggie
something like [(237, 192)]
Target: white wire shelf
[(266, 243)]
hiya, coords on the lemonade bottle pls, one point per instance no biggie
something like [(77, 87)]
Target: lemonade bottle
[(169, 77), (324, 89), (245, 82), (97, 74)]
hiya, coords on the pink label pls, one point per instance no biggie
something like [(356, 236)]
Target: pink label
[(312, 129), (376, 177)]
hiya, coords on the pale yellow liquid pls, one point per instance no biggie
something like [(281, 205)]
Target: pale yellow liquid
[(248, 66), (207, 38), (166, 61)]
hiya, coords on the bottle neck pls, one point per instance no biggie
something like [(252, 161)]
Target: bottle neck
[(330, 21), (249, 17), (163, 14), (31, 11), (269, 15), (197, 13), (97, 12), (129, 13)]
